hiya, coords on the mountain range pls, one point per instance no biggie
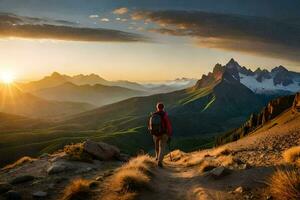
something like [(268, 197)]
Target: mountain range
[(220, 101), (279, 80), (15, 101), (97, 94)]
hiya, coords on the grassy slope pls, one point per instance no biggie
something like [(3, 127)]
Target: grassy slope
[(197, 116)]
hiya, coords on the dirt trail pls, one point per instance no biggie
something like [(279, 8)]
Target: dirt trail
[(262, 153), (178, 182)]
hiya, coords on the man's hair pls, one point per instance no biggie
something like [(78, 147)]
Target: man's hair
[(160, 106)]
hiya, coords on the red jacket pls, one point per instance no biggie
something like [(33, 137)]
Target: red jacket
[(166, 122)]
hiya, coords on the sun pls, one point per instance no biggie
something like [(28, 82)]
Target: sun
[(7, 77)]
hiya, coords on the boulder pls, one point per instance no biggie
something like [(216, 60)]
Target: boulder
[(56, 168), (39, 194), (101, 150), (21, 179), (4, 187), (218, 172), (239, 190), (13, 195)]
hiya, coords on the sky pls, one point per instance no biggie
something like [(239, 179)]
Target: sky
[(140, 40)]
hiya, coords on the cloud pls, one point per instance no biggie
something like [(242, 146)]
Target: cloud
[(93, 16), (35, 28), (104, 20), (255, 35), (121, 11)]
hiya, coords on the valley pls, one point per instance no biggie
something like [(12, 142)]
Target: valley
[(217, 103)]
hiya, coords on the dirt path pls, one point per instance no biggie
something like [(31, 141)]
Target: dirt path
[(261, 151), (178, 182), (168, 184)]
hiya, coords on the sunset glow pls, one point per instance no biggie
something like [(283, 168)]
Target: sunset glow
[(7, 77)]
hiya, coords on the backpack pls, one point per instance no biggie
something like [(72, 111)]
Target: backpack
[(156, 124)]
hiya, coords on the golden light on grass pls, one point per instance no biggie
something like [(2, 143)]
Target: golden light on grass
[(130, 179), (285, 184), (292, 155), (7, 77), (77, 189)]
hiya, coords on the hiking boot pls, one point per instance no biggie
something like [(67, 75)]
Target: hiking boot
[(159, 164)]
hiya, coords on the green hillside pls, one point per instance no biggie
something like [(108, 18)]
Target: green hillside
[(197, 114)]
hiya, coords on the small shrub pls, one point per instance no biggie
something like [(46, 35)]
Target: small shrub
[(76, 152), (129, 180), (19, 162), (141, 163), (207, 166), (78, 189), (292, 155), (285, 184)]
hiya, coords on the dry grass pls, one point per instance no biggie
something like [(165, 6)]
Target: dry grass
[(207, 166), (143, 164), (285, 184), (19, 162), (130, 179), (193, 162), (292, 155), (78, 189), (76, 152), (177, 155)]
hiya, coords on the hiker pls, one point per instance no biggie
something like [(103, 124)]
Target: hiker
[(161, 130)]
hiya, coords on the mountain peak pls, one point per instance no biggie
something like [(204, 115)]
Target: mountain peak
[(232, 64), (280, 68), (55, 74)]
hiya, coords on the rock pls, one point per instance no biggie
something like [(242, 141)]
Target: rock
[(39, 194), (269, 197), (4, 187), (67, 166), (21, 179), (239, 190), (56, 168), (245, 166), (94, 184), (60, 179), (101, 150), (108, 173), (13, 195), (123, 157), (51, 186), (84, 170), (218, 172), (99, 178), (44, 155)]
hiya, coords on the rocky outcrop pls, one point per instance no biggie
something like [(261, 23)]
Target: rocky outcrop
[(101, 150), (296, 103), (273, 109)]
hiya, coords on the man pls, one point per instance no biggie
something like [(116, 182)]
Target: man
[(161, 130)]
